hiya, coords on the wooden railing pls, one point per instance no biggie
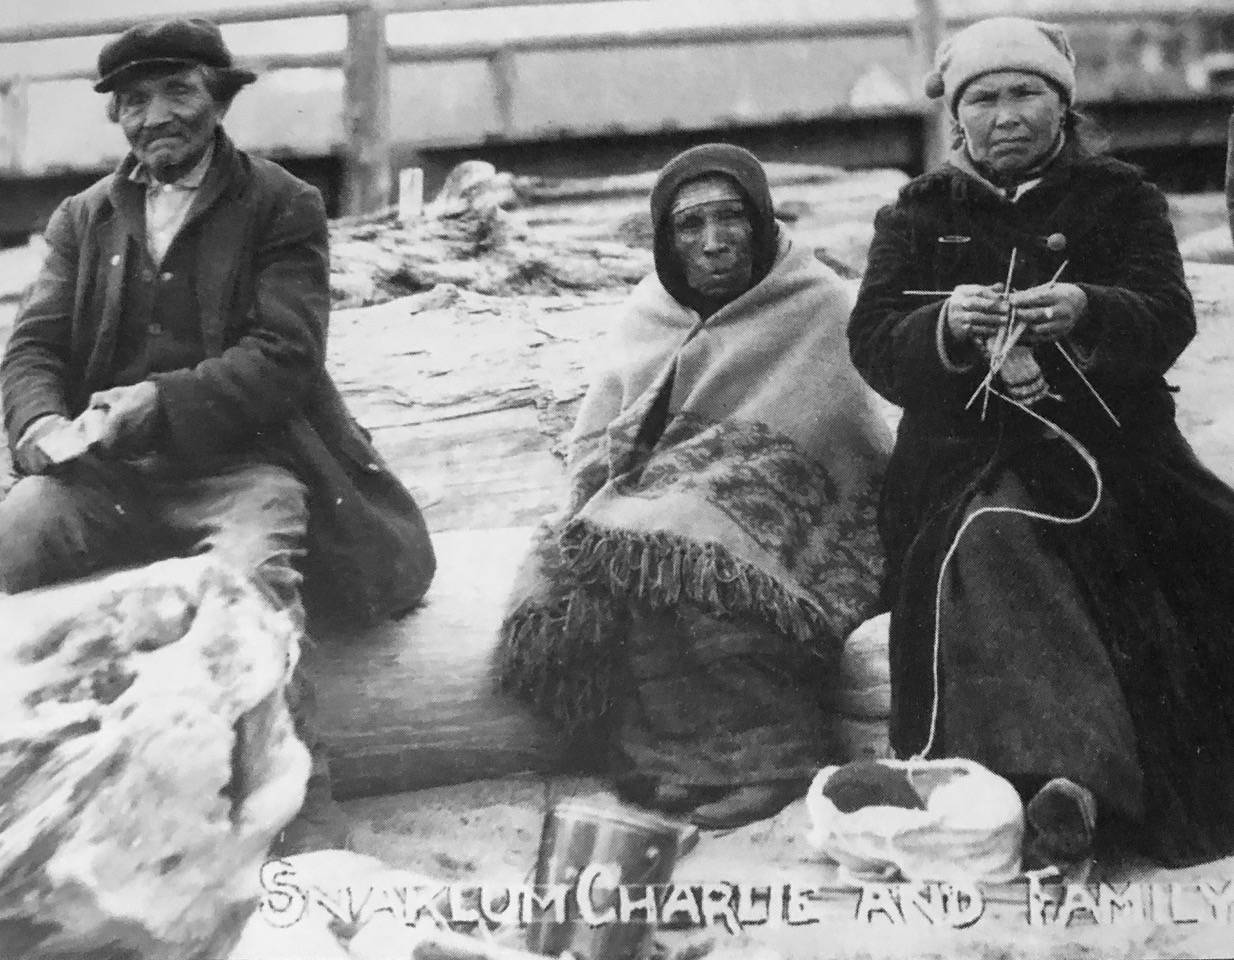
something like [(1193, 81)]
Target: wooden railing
[(367, 58), (365, 64)]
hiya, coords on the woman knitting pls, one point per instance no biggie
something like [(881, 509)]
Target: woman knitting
[(719, 541), (1058, 560)]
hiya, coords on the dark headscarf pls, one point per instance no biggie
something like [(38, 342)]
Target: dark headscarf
[(744, 169)]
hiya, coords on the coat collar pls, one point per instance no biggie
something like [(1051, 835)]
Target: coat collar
[(1087, 172), (190, 181), (962, 160)]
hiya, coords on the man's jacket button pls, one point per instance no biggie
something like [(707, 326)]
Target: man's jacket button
[(155, 328), (372, 468)]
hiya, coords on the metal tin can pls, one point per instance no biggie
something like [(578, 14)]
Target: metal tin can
[(611, 845)]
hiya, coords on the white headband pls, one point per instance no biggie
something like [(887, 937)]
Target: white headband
[(707, 189)]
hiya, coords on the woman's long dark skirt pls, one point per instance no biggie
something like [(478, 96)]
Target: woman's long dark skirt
[(716, 705), (1103, 651)]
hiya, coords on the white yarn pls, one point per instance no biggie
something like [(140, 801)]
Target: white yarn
[(1032, 514)]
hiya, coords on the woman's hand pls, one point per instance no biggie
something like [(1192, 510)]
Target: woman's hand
[(975, 313), (1050, 311)]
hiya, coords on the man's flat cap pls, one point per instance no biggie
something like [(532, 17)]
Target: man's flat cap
[(169, 42)]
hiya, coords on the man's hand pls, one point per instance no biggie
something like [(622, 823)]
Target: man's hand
[(129, 418), (29, 455), (1051, 311)]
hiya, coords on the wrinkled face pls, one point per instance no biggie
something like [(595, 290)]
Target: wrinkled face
[(713, 237), (1010, 119), (169, 120)]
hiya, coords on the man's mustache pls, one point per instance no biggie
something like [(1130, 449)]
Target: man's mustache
[(161, 133)]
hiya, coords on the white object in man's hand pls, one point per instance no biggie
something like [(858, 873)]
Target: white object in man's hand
[(34, 452), (54, 440), (127, 417)]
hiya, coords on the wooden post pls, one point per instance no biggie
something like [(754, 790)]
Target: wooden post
[(927, 34), (366, 98), (410, 195), (14, 112), (501, 71)]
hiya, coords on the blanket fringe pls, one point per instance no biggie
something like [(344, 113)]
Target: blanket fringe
[(564, 660), (664, 570)]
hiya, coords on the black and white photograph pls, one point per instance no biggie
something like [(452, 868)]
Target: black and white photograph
[(616, 479)]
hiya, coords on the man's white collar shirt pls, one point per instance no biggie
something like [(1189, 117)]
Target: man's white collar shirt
[(167, 204)]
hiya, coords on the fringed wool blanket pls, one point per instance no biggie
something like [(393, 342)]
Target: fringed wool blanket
[(758, 499)]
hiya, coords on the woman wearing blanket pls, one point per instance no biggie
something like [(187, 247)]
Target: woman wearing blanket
[(1085, 654), (720, 539)]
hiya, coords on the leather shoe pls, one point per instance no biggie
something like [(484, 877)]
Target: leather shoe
[(745, 805), (1062, 819)]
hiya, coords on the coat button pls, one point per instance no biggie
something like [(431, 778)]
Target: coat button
[(168, 275), (115, 260), (155, 328), (147, 276), (372, 468)]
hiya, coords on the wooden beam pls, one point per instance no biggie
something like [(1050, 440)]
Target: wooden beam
[(366, 116), (503, 74), (443, 6), (13, 122), (636, 37), (249, 13), (1128, 10), (927, 34), (246, 13)]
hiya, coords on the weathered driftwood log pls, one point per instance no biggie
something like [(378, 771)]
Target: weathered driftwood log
[(413, 704), (468, 395), (146, 762), (573, 236)]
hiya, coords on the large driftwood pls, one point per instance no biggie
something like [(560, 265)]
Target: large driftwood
[(469, 395), (147, 760), (412, 704)]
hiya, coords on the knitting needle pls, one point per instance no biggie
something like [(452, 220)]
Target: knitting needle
[(1007, 342), (996, 361), (1071, 360), (947, 293), (1076, 367), (1093, 390), (1015, 334), (1010, 270), (985, 383)]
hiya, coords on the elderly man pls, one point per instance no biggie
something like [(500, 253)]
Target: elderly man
[(164, 388)]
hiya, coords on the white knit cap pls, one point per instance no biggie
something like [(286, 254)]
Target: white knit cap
[(1002, 43)]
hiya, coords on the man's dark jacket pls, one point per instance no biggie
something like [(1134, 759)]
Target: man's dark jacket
[(260, 264)]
